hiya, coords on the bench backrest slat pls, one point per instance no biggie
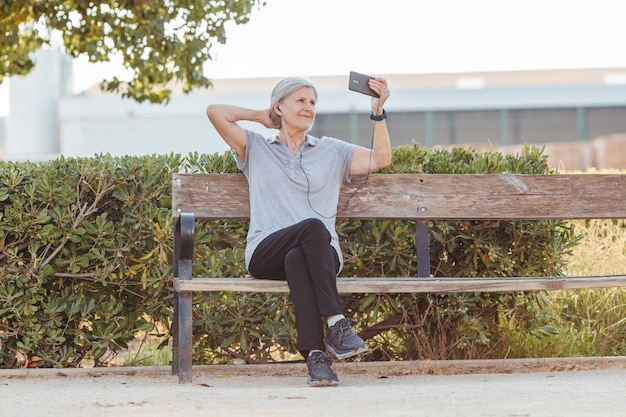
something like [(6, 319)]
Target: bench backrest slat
[(428, 196)]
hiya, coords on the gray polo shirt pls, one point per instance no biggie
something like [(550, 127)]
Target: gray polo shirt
[(279, 183)]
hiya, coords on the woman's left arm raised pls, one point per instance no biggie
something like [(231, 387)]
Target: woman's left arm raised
[(367, 160)]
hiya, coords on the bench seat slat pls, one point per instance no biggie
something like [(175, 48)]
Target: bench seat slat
[(411, 284)]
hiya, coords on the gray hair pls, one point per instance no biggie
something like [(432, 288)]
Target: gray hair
[(285, 87)]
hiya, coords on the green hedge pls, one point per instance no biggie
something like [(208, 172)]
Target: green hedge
[(85, 264)]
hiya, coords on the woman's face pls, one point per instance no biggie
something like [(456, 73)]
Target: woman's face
[(298, 108)]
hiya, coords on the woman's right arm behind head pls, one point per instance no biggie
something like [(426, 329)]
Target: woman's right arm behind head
[(224, 118)]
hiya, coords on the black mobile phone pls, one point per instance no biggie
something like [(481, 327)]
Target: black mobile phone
[(358, 83)]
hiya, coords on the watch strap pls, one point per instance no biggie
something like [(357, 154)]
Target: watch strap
[(378, 117)]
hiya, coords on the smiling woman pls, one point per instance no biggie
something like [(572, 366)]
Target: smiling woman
[(294, 181)]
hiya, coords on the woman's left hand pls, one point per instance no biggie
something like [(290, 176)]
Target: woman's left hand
[(380, 86)]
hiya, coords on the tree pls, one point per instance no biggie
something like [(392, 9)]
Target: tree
[(160, 41)]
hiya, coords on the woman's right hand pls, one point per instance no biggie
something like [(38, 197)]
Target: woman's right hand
[(267, 120)]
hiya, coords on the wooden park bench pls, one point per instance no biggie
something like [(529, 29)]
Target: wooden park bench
[(416, 197)]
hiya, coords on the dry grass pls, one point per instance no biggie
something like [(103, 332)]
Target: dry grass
[(602, 251), (588, 322)]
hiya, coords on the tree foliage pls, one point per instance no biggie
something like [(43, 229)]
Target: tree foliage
[(160, 41)]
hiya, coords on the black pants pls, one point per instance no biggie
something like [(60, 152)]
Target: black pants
[(302, 255)]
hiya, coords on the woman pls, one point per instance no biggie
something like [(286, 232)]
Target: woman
[(294, 181)]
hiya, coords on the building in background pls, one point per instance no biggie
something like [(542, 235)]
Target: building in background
[(494, 110), (31, 129)]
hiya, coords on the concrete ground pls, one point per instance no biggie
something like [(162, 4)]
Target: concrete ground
[(508, 388)]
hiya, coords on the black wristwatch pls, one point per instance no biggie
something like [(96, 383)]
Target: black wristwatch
[(379, 117)]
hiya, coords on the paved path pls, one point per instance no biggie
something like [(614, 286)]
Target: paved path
[(517, 388)]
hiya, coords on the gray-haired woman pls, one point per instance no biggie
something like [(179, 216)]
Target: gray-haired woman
[(294, 181)]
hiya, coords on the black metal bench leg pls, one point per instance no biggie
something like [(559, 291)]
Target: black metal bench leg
[(185, 339), (175, 335), (423, 248), (182, 318)]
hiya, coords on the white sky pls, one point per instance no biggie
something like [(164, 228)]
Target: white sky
[(333, 37)]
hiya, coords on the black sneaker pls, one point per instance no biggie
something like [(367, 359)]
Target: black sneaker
[(321, 373), (342, 342)]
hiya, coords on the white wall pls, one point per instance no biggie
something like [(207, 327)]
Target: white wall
[(105, 124), (31, 124)]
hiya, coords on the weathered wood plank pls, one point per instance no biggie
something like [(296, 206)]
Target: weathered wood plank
[(411, 284), (428, 196)]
